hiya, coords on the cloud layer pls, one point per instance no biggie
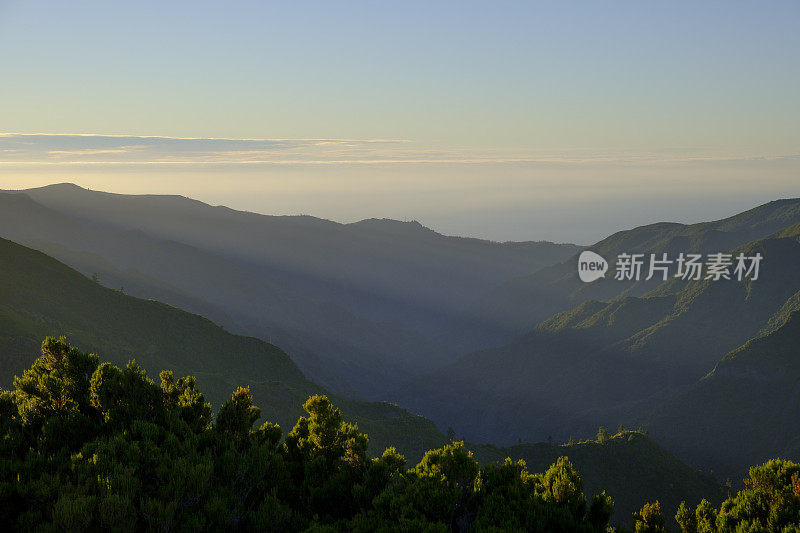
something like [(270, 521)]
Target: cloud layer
[(81, 149)]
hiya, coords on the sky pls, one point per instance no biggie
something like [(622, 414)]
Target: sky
[(563, 121)]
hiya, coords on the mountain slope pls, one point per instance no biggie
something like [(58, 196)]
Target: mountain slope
[(517, 305), (342, 346), (608, 362), (744, 411), (40, 296), (363, 265)]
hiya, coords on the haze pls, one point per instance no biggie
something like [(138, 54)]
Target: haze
[(505, 120)]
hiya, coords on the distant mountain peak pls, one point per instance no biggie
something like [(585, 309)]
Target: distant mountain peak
[(65, 186), (391, 225), (387, 221)]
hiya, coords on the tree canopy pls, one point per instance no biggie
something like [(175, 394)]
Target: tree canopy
[(90, 446)]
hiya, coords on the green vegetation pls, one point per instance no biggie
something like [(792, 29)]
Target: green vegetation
[(629, 467), (770, 502), (90, 446)]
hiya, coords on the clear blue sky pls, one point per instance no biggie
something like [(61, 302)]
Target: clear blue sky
[(465, 81)]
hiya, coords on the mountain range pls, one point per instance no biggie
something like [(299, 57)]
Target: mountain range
[(500, 341), (638, 353), (362, 307), (39, 297)]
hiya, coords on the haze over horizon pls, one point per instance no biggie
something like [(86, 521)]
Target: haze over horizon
[(527, 121), (646, 214)]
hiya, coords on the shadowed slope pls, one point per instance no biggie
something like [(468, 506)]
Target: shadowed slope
[(40, 296)]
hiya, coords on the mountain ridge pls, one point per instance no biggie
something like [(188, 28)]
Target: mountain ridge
[(615, 361), (73, 188), (521, 303)]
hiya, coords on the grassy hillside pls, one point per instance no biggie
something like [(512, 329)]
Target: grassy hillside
[(629, 466), (40, 296)]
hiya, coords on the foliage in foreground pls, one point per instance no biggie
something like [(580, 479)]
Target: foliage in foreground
[(90, 446), (770, 501)]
